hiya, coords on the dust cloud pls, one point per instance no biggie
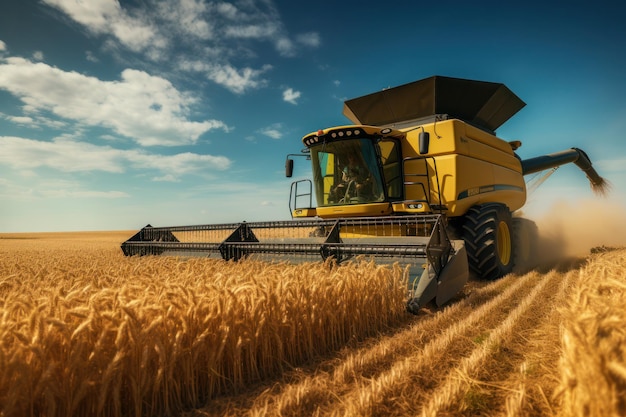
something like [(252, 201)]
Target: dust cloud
[(572, 229)]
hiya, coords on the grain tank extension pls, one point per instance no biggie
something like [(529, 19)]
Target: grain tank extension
[(419, 178)]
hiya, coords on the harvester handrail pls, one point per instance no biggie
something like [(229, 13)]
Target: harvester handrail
[(427, 194), (293, 194)]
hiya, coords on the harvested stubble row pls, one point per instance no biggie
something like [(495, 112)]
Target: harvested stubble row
[(94, 333)]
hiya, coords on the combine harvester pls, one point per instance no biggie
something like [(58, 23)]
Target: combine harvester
[(420, 179)]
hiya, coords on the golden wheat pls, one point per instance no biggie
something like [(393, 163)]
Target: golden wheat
[(145, 336), (593, 340)]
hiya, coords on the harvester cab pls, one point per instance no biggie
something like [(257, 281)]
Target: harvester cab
[(419, 178)]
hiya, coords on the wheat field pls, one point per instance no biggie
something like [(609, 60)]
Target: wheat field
[(85, 331)]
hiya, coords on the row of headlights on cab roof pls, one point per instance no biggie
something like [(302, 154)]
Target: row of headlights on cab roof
[(314, 139), (341, 133)]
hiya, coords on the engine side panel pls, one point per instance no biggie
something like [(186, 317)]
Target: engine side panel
[(465, 166)]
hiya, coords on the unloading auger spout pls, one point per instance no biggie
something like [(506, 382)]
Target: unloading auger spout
[(598, 184)]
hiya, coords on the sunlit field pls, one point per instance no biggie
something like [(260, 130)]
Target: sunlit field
[(87, 331)]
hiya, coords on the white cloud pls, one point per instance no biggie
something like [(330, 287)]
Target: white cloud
[(107, 17), (38, 56), (187, 16), (229, 11), (181, 163), (311, 39), (261, 21), (91, 57), (285, 46), (3, 46), (72, 156), (52, 188), (256, 31), (145, 108), (174, 30), (62, 155), (166, 178), (272, 131), (47, 122), (291, 96), (237, 81), (64, 193), (22, 120)]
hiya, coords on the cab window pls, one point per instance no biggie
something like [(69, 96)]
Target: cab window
[(347, 172), (391, 162)]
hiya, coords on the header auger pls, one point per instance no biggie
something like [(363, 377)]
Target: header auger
[(420, 178)]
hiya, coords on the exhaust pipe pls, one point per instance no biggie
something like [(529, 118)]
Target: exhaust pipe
[(598, 184)]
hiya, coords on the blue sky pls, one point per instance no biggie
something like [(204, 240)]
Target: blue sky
[(118, 114)]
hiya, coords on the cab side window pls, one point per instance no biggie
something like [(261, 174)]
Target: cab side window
[(392, 168)]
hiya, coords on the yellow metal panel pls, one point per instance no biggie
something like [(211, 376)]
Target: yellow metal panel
[(443, 139), (472, 167), (304, 212), (481, 136), (371, 209), (455, 136), (465, 181), (473, 181)]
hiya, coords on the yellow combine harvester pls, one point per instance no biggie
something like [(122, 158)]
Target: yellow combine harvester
[(420, 178)]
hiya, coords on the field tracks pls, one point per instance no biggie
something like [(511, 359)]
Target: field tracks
[(369, 380), (461, 380)]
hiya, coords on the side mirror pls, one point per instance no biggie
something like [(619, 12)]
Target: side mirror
[(424, 142), (289, 168)]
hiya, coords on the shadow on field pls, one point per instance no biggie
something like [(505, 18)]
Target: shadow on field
[(237, 403)]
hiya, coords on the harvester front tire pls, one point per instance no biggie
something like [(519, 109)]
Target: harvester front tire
[(488, 237)]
